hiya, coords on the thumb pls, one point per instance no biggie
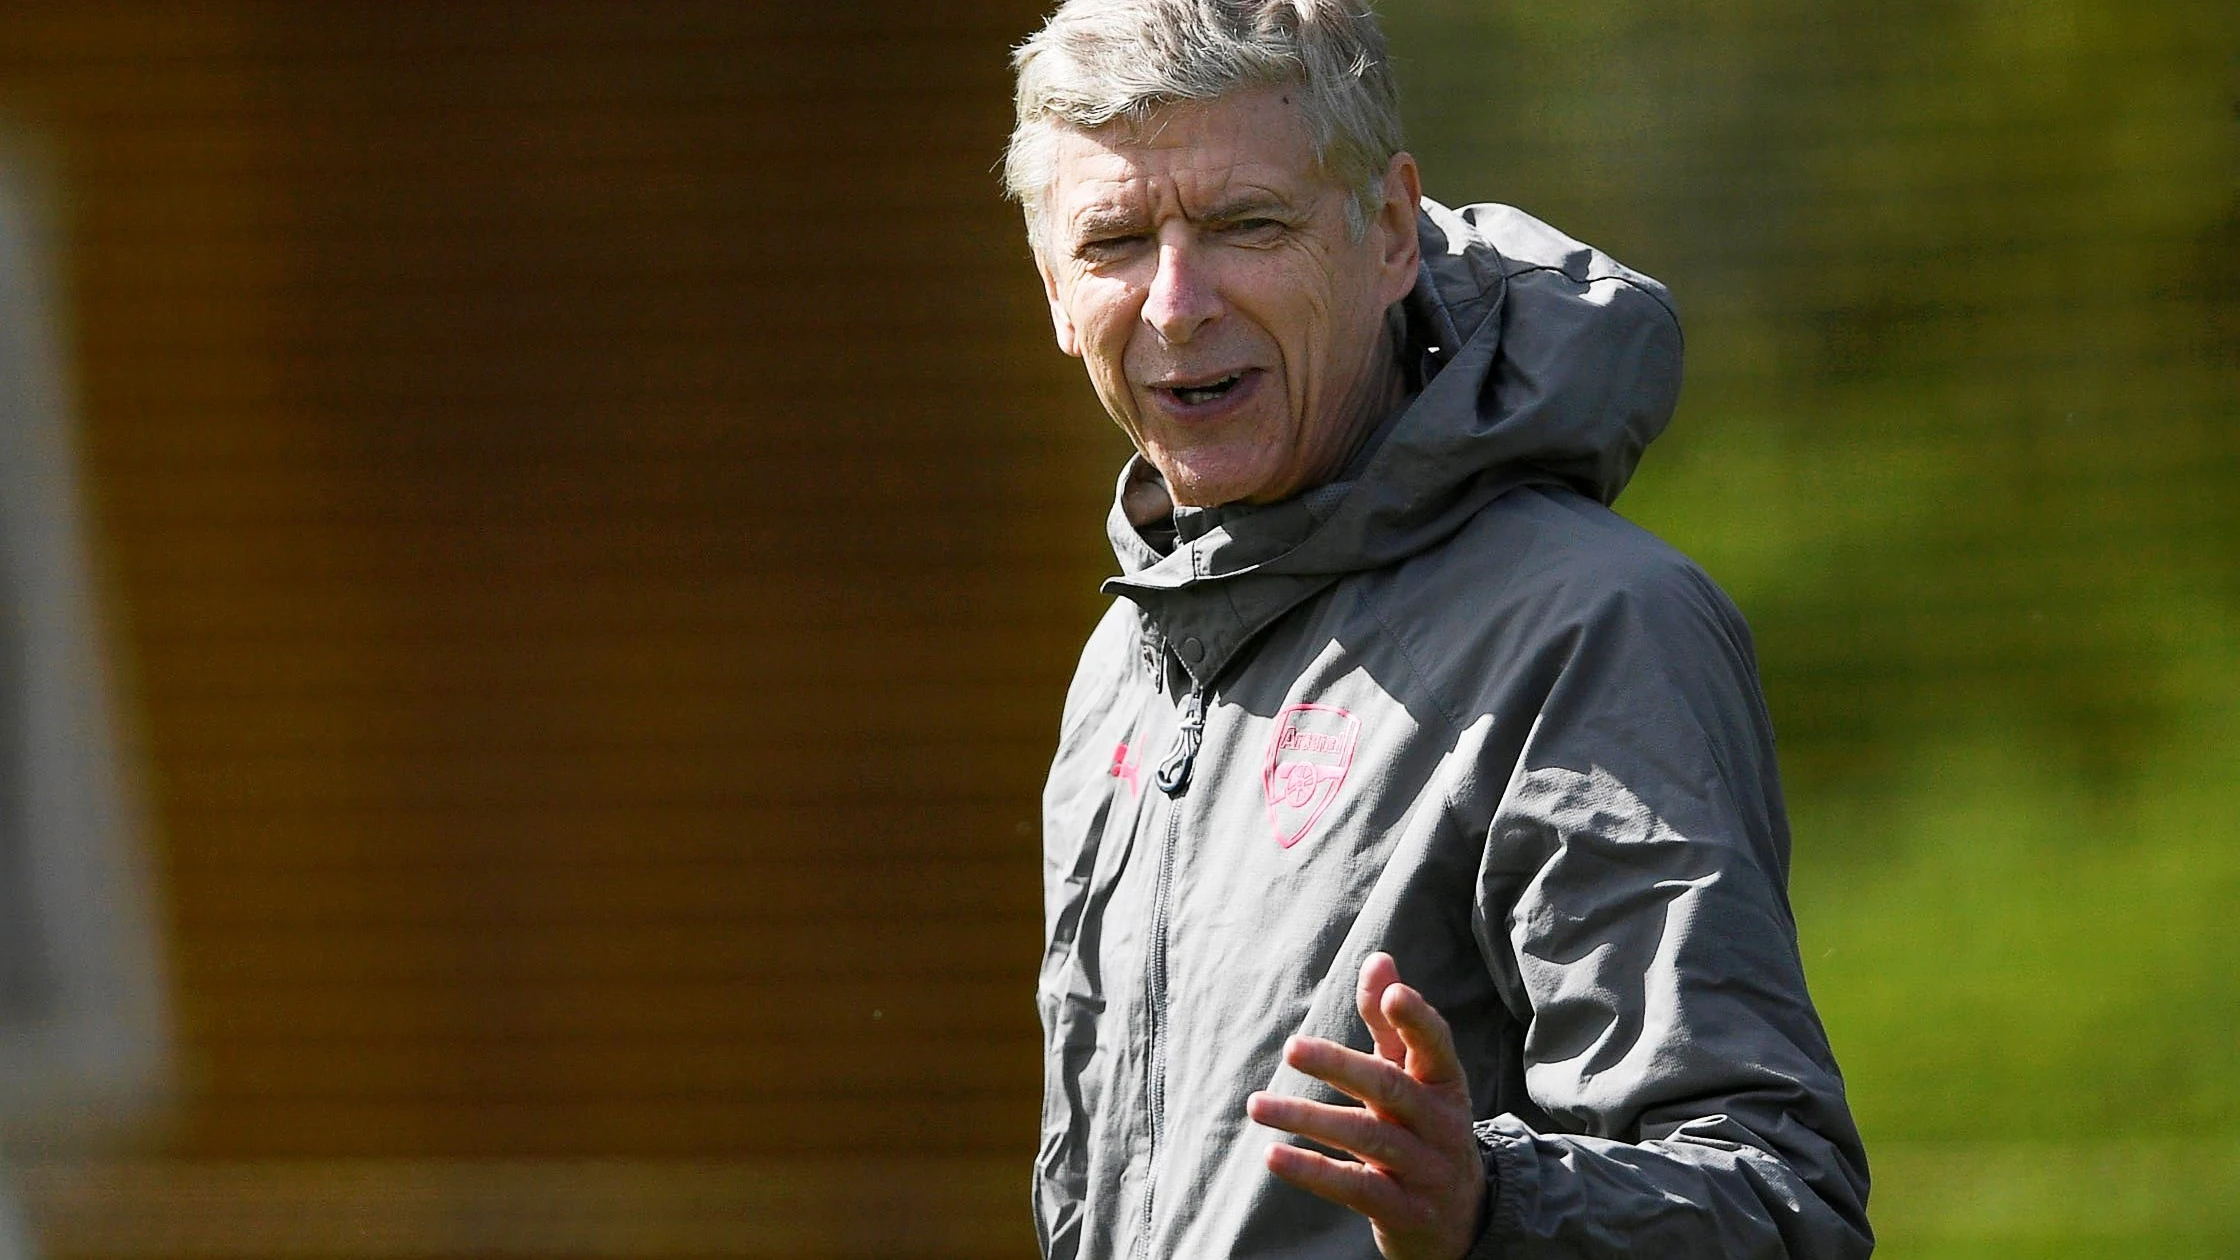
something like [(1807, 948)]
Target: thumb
[(1378, 973)]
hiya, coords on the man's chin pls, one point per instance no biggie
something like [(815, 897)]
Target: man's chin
[(1212, 483)]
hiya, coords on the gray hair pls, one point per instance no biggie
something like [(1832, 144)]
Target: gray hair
[(1098, 62)]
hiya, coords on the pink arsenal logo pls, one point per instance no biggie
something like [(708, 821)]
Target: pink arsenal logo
[(1307, 762)]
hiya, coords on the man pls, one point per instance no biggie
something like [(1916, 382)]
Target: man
[(1389, 692)]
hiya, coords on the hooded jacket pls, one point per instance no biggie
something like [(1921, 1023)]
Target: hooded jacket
[(1453, 708)]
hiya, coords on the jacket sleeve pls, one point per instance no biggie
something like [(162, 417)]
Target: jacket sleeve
[(1632, 905)]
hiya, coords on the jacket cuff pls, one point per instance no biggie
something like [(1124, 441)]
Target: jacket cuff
[(1503, 1156)]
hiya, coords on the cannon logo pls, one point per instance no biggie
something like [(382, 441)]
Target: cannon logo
[(1307, 762)]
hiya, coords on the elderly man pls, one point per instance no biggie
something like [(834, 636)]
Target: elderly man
[(1388, 692)]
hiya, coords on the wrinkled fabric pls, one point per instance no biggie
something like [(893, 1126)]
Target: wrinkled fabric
[(1452, 708)]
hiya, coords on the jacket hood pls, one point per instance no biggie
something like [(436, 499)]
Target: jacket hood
[(1543, 361)]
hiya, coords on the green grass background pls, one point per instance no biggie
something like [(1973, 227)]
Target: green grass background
[(1961, 435)]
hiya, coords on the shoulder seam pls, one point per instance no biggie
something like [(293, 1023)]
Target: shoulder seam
[(1430, 688)]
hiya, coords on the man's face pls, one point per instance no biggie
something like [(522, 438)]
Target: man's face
[(1200, 266)]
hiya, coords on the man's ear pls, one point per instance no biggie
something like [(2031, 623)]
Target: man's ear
[(1069, 338), (1396, 226)]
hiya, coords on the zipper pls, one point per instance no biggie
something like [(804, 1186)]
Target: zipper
[(1173, 778), (1155, 1059), (1174, 772)]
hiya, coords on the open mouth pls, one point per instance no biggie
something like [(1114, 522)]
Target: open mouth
[(1197, 395)]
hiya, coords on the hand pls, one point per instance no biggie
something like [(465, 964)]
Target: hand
[(1419, 1179)]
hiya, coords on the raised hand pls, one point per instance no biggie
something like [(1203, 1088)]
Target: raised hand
[(1418, 1177)]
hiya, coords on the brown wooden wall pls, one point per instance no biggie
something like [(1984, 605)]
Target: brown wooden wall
[(596, 532)]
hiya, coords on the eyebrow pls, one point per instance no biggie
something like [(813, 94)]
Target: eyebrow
[(1116, 221), (1107, 222), (1249, 206)]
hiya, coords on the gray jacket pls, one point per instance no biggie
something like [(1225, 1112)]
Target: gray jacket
[(1454, 708)]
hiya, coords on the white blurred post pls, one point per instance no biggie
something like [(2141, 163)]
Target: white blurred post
[(81, 1012)]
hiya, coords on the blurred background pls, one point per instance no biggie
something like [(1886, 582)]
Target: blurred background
[(588, 532)]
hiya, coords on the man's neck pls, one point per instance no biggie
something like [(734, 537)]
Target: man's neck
[(1385, 393)]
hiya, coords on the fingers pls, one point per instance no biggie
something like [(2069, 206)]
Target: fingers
[(1369, 1191), (1378, 974), (1431, 1056), (1419, 1178), (1388, 1090), (1355, 1129)]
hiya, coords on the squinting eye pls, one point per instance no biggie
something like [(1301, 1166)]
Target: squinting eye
[(1105, 249)]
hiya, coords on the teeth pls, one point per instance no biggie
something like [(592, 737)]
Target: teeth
[(1194, 394)]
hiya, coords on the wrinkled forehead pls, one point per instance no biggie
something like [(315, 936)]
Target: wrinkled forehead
[(1189, 158)]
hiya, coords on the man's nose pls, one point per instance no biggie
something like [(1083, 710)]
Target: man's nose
[(1182, 298)]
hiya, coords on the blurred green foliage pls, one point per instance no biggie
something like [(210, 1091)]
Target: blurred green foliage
[(1961, 280)]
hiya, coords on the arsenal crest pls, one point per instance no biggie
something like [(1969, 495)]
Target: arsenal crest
[(1307, 761)]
